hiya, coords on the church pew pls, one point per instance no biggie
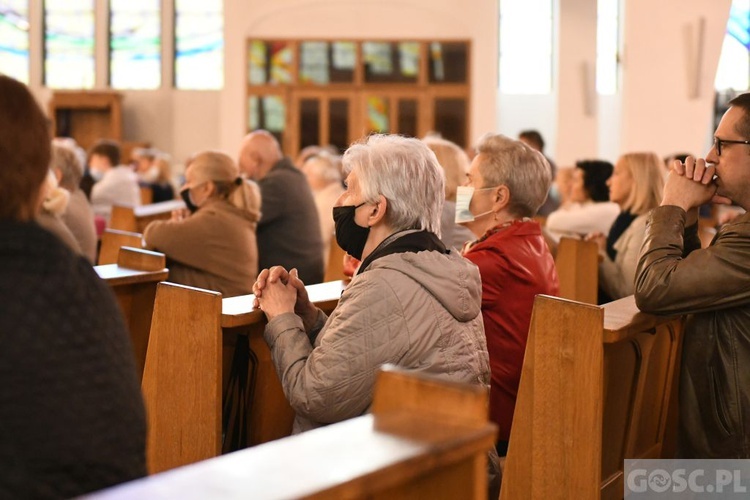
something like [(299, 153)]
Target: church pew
[(424, 439), (193, 338), (335, 263), (111, 242), (135, 219), (577, 264), (134, 279), (598, 386)]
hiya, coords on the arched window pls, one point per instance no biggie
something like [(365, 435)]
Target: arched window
[(14, 39), (526, 46), (69, 44), (135, 44), (734, 64), (607, 45), (199, 44)]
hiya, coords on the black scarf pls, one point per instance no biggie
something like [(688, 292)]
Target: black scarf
[(416, 241), (622, 222)]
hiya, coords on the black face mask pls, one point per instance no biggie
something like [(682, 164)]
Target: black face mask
[(185, 195), (349, 235)]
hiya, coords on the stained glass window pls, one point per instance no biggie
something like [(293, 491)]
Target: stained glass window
[(135, 44), (525, 46), (607, 41), (14, 39), (199, 44), (69, 44), (270, 62), (734, 63)]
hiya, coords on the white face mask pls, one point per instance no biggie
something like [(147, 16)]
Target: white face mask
[(463, 200), (96, 174), (151, 175)]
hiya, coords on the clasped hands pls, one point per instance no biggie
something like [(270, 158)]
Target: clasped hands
[(278, 291), (691, 184)]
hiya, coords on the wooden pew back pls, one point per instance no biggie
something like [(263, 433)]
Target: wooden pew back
[(412, 451), (171, 386), (134, 279), (597, 387), (135, 219), (111, 242), (577, 264), (335, 264)]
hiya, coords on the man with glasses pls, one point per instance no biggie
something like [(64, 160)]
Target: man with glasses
[(711, 285)]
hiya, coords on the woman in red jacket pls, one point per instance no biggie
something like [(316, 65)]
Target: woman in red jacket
[(506, 185)]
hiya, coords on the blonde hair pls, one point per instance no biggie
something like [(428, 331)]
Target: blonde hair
[(165, 169), (222, 171), (453, 159), (647, 171)]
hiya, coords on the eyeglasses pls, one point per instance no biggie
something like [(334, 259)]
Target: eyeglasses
[(718, 142)]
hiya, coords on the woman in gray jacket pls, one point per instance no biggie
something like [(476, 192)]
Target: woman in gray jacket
[(412, 302)]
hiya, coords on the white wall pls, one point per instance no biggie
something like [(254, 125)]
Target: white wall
[(660, 112)]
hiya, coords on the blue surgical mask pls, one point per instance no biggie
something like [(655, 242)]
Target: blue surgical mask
[(463, 200)]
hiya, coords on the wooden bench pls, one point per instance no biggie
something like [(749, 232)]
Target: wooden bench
[(424, 439), (111, 242), (134, 279), (193, 338), (577, 264), (135, 219), (598, 386), (335, 264)]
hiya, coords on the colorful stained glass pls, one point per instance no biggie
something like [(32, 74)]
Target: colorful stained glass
[(69, 44), (135, 44), (14, 39), (256, 63), (377, 114), (314, 63), (199, 44), (282, 59)]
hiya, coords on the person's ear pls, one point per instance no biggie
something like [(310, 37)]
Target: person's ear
[(501, 198), (377, 212)]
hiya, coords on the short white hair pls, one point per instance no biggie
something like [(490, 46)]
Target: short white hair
[(406, 172), (525, 172), (325, 166)]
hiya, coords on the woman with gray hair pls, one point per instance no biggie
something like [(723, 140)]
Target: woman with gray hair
[(214, 246), (507, 183), (412, 303)]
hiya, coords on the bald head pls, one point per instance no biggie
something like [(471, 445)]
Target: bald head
[(259, 152)]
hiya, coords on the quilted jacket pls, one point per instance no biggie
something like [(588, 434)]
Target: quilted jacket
[(415, 310)]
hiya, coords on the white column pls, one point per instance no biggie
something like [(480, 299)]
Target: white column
[(576, 82)]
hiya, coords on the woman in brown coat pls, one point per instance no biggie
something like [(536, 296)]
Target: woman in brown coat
[(214, 246)]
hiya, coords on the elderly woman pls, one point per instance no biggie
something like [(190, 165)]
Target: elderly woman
[(215, 247), (589, 209), (412, 303), (455, 164), (324, 176), (636, 185), (78, 217), (71, 409), (507, 183)]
